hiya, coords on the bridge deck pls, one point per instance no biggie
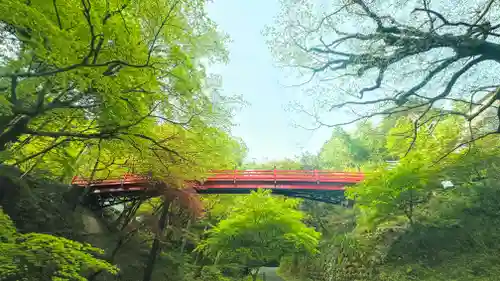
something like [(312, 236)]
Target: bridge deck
[(314, 184)]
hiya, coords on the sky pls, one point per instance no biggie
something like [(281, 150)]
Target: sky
[(264, 124)]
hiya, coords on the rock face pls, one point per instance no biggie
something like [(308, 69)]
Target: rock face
[(91, 223), (269, 274), (37, 204)]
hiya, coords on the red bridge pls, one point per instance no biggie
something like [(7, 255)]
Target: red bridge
[(325, 186)]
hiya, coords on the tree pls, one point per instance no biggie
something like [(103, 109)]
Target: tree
[(384, 58), (352, 150), (402, 212), (99, 88), (93, 77), (285, 164), (405, 213), (309, 161), (258, 230), (35, 256), (386, 194)]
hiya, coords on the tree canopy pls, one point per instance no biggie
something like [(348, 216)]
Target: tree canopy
[(45, 257), (379, 59), (95, 77), (98, 88), (407, 223), (259, 230)]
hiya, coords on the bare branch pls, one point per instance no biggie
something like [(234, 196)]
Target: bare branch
[(370, 14), (160, 28), (431, 19), (456, 76), (176, 122), (428, 78), (416, 125), (470, 141), (44, 151), (59, 23), (443, 19), (484, 12), (377, 101), (109, 14), (487, 105), (386, 112)]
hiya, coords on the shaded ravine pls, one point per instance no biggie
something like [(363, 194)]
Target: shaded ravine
[(269, 274)]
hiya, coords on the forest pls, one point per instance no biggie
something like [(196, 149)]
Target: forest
[(100, 88)]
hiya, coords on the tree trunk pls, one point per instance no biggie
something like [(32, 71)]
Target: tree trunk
[(184, 239), (156, 247), (255, 274), (13, 133), (198, 253), (183, 246)]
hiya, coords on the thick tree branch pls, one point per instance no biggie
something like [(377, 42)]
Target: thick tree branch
[(13, 92), (41, 152), (427, 79), (391, 44), (370, 14), (485, 106)]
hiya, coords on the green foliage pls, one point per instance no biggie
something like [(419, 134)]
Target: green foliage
[(260, 229), (35, 256), (405, 225), (209, 273), (455, 238), (89, 78), (408, 225), (285, 164), (389, 193), (386, 194), (363, 148), (36, 204), (83, 80), (97, 89)]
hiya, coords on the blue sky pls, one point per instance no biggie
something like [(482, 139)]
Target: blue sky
[(265, 126)]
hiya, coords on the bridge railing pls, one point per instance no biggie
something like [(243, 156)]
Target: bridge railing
[(281, 175), (239, 175), (126, 179)]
